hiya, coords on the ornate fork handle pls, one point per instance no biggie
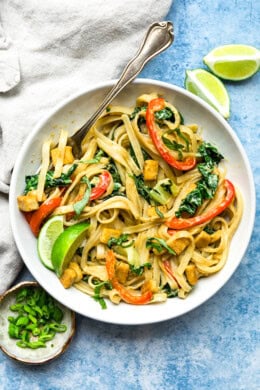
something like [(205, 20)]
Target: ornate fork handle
[(158, 38)]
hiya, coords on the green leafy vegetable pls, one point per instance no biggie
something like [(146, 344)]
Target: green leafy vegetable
[(207, 186), (96, 158), (139, 270), (163, 191), (122, 241), (209, 153), (159, 244), (171, 293), (173, 145), (136, 111), (209, 229), (80, 205), (165, 114), (31, 181), (142, 188), (97, 292)]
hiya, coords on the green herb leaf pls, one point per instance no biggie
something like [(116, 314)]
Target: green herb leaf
[(80, 205), (173, 145), (96, 158), (139, 270), (165, 114), (122, 241), (142, 188), (31, 182), (159, 244)]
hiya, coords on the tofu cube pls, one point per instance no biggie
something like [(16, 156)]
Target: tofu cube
[(122, 271), (28, 202), (68, 156), (179, 245), (191, 273), (107, 233), (149, 285), (151, 211), (202, 240), (150, 171)]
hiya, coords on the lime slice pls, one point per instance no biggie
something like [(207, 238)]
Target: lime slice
[(66, 245), (233, 62), (209, 88), (48, 235)]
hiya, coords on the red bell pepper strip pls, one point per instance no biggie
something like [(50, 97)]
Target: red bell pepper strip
[(28, 215), (184, 223), (101, 187), (42, 213), (157, 105), (124, 292), (168, 269)]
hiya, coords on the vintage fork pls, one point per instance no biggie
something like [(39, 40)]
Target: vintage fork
[(158, 38)]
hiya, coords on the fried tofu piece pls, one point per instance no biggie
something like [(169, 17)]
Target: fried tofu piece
[(151, 211), (28, 202), (68, 278), (122, 271), (191, 273), (202, 240), (107, 233), (179, 245), (71, 275), (68, 156), (149, 285), (150, 171)]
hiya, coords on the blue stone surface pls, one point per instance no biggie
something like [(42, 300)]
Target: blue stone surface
[(215, 346)]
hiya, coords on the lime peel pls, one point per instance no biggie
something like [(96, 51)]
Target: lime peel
[(233, 62), (66, 245), (209, 88), (48, 235)]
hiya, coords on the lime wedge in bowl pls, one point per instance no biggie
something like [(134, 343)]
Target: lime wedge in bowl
[(48, 235), (209, 88), (233, 62), (66, 245)]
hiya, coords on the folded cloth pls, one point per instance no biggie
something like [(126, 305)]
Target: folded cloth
[(63, 46)]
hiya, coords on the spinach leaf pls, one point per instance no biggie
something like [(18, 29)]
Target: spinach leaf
[(122, 241), (136, 111), (159, 244), (31, 181), (173, 145), (140, 270), (142, 188), (169, 291), (165, 114), (207, 186), (79, 206), (96, 158), (209, 153), (209, 229), (184, 138), (112, 169), (145, 155)]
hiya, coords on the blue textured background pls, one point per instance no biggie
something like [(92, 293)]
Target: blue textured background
[(217, 345)]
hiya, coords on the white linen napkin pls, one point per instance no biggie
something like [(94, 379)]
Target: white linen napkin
[(48, 51)]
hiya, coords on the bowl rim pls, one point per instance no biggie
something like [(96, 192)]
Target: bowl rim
[(109, 83), (65, 345)]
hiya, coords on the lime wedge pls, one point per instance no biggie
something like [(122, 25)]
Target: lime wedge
[(233, 62), (209, 88), (66, 245), (48, 235)]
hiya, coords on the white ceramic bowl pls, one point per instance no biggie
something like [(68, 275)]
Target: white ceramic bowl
[(71, 114)]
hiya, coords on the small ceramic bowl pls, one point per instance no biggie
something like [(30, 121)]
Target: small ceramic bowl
[(54, 348)]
